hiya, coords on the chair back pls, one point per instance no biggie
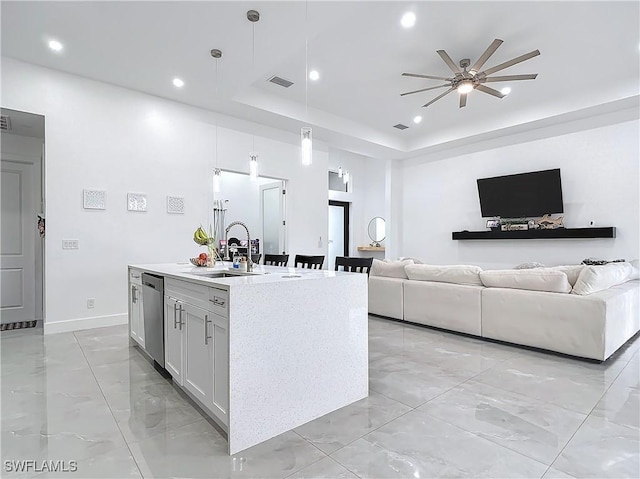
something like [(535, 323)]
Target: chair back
[(354, 265), (255, 258), (276, 259), (309, 262)]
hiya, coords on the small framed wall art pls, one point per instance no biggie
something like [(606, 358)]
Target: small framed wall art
[(136, 202), (175, 205), (94, 199)]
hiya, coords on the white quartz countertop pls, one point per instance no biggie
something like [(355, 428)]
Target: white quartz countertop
[(261, 274)]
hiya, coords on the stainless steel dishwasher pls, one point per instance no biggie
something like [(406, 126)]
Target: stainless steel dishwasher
[(153, 311)]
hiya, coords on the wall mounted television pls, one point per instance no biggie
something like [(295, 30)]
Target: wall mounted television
[(523, 195)]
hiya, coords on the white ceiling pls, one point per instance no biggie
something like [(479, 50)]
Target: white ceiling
[(589, 56)]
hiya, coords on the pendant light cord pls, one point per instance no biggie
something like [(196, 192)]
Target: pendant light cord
[(217, 113), (306, 60), (253, 71)]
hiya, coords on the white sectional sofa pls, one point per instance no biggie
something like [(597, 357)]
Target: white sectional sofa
[(577, 310)]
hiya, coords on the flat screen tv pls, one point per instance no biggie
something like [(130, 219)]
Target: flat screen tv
[(522, 195)]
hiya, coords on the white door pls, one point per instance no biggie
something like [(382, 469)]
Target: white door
[(18, 231), (337, 232), (272, 213)]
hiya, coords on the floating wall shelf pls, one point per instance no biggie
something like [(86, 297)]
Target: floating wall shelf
[(370, 248), (560, 233)]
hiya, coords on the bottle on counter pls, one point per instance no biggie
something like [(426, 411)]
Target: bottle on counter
[(243, 264)]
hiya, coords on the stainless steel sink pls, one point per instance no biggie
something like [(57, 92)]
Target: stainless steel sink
[(229, 274)]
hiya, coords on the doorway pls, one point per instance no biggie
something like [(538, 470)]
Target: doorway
[(22, 247), (338, 231)]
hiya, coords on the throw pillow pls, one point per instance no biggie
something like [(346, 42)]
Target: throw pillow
[(389, 269), (529, 265), (457, 274), (598, 278), (572, 271), (537, 279)]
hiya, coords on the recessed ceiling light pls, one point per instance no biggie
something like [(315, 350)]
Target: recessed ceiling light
[(178, 83), (55, 45), (506, 90), (417, 119), (314, 75), (408, 20)]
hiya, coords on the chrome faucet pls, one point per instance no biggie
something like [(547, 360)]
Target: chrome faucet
[(226, 234)]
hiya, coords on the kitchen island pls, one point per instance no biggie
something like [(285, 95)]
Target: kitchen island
[(260, 353)]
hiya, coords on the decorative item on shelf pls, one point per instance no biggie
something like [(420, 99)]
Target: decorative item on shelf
[(533, 224), (493, 224), (376, 231), (514, 225), (600, 262), (549, 223)]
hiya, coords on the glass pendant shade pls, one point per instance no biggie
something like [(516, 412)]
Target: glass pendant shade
[(340, 172), (217, 176), (253, 166), (345, 177), (307, 145)]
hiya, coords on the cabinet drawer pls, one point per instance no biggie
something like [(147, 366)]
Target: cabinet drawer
[(191, 293), (219, 302), (135, 276)]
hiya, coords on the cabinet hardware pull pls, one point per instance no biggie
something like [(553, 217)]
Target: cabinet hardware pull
[(181, 321), (133, 295), (175, 316), (206, 336), (217, 301)]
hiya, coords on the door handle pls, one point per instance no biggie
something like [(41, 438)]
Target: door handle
[(206, 336)]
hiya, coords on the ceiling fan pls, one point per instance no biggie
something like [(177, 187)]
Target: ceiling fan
[(465, 80)]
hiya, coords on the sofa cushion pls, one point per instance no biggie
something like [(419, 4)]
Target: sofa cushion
[(635, 264), (572, 271), (538, 279), (457, 274), (389, 269), (598, 278)]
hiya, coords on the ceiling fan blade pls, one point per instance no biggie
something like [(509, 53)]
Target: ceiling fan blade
[(512, 62), (485, 56), (463, 100), (531, 76), (439, 96), (447, 59), (423, 89), (417, 75), (490, 91)]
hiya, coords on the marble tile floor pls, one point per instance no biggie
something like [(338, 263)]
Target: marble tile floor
[(440, 405)]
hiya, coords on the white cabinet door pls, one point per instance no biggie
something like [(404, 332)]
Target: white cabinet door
[(135, 299), (220, 366), (198, 374), (173, 342)]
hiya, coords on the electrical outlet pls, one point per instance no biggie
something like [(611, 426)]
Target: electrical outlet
[(69, 244), (91, 303)]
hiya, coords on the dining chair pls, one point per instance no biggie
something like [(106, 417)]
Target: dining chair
[(309, 262), (354, 265), (276, 259)]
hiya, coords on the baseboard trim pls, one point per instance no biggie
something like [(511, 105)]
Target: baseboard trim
[(85, 323)]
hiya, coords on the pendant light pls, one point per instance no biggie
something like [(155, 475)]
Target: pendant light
[(253, 16), (340, 172), (306, 137), (345, 177), (217, 174)]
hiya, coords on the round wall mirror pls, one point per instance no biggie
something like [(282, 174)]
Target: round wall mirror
[(377, 230)]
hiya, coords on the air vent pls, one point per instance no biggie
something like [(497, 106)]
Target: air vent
[(400, 126), (280, 81), (5, 123)]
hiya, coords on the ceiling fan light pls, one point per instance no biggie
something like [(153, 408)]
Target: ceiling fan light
[(465, 87), (506, 90)]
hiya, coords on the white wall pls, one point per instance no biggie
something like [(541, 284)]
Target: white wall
[(600, 182), (99, 136), (366, 194), (23, 148)]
